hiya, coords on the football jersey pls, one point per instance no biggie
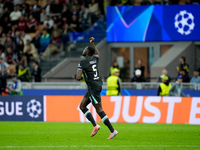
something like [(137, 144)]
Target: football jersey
[(90, 70)]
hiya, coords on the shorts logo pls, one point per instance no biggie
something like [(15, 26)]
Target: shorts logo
[(34, 108), (184, 22)]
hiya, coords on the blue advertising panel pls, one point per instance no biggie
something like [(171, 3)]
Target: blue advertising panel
[(21, 108), (153, 23)]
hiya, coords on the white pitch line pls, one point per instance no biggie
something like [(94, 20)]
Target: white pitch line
[(102, 146)]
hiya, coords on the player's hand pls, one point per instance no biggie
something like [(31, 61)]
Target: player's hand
[(91, 39)]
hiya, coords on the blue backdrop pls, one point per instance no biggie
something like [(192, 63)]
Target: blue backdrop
[(153, 23)]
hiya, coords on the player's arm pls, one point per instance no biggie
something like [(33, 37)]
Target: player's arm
[(79, 75), (92, 43)]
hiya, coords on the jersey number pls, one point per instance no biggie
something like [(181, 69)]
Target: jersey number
[(95, 70)]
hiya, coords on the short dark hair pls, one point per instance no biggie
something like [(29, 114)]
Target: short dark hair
[(35, 61), (91, 50), (184, 59)]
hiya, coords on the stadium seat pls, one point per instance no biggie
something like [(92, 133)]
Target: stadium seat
[(32, 35), (42, 2), (11, 69)]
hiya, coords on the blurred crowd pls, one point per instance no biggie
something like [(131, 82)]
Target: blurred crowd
[(32, 30)]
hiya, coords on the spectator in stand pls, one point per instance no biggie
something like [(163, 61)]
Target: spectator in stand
[(21, 24), (1, 7), (15, 15), (30, 10), (20, 55), (68, 3), (140, 66), (3, 40), (114, 66), (164, 87), (6, 13), (16, 87), (123, 2), (66, 12), (65, 36), (196, 77), (182, 66), (25, 8), (74, 11), (138, 76), (56, 29), (36, 40), (64, 21), (42, 16), (8, 4), (185, 76), (25, 37), (74, 24), (20, 45), (94, 11), (9, 56), (37, 13), (24, 73), (77, 4), (35, 5), (164, 72), (6, 24), (53, 47), (36, 73), (56, 8), (17, 37), (57, 20), (4, 70), (21, 58), (10, 44), (12, 32), (30, 52), (49, 22), (45, 39), (31, 24), (84, 17), (47, 7), (177, 88), (2, 54), (1, 31)]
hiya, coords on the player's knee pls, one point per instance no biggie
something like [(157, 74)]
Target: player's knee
[(81, 107)]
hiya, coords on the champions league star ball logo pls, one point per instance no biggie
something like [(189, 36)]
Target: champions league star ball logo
[(34, 108), (184, 22)]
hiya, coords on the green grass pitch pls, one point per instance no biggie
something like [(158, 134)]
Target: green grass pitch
[(56, 136)]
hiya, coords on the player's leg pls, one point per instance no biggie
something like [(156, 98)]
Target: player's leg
[(96, 101), (103, 116), (83, 107)]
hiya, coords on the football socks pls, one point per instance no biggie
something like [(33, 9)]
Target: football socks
[(89, 116), (106, 121)]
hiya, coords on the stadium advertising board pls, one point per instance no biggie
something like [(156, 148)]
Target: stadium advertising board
[(153, 23), (127, 109), (21, 108)]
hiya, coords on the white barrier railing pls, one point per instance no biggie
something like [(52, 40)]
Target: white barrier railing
[(79, 85)]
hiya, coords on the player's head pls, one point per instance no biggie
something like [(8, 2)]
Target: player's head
[(88, 51)]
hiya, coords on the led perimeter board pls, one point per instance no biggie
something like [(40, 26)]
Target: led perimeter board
[(153, 23)]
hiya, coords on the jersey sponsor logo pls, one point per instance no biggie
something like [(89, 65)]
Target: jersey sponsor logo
[(79, 65), (93, 62)]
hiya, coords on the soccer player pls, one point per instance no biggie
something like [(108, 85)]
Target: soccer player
[(89, 68)]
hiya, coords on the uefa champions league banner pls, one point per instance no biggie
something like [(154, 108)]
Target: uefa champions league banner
[(153, 23), (124, 109), (22, 108)]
